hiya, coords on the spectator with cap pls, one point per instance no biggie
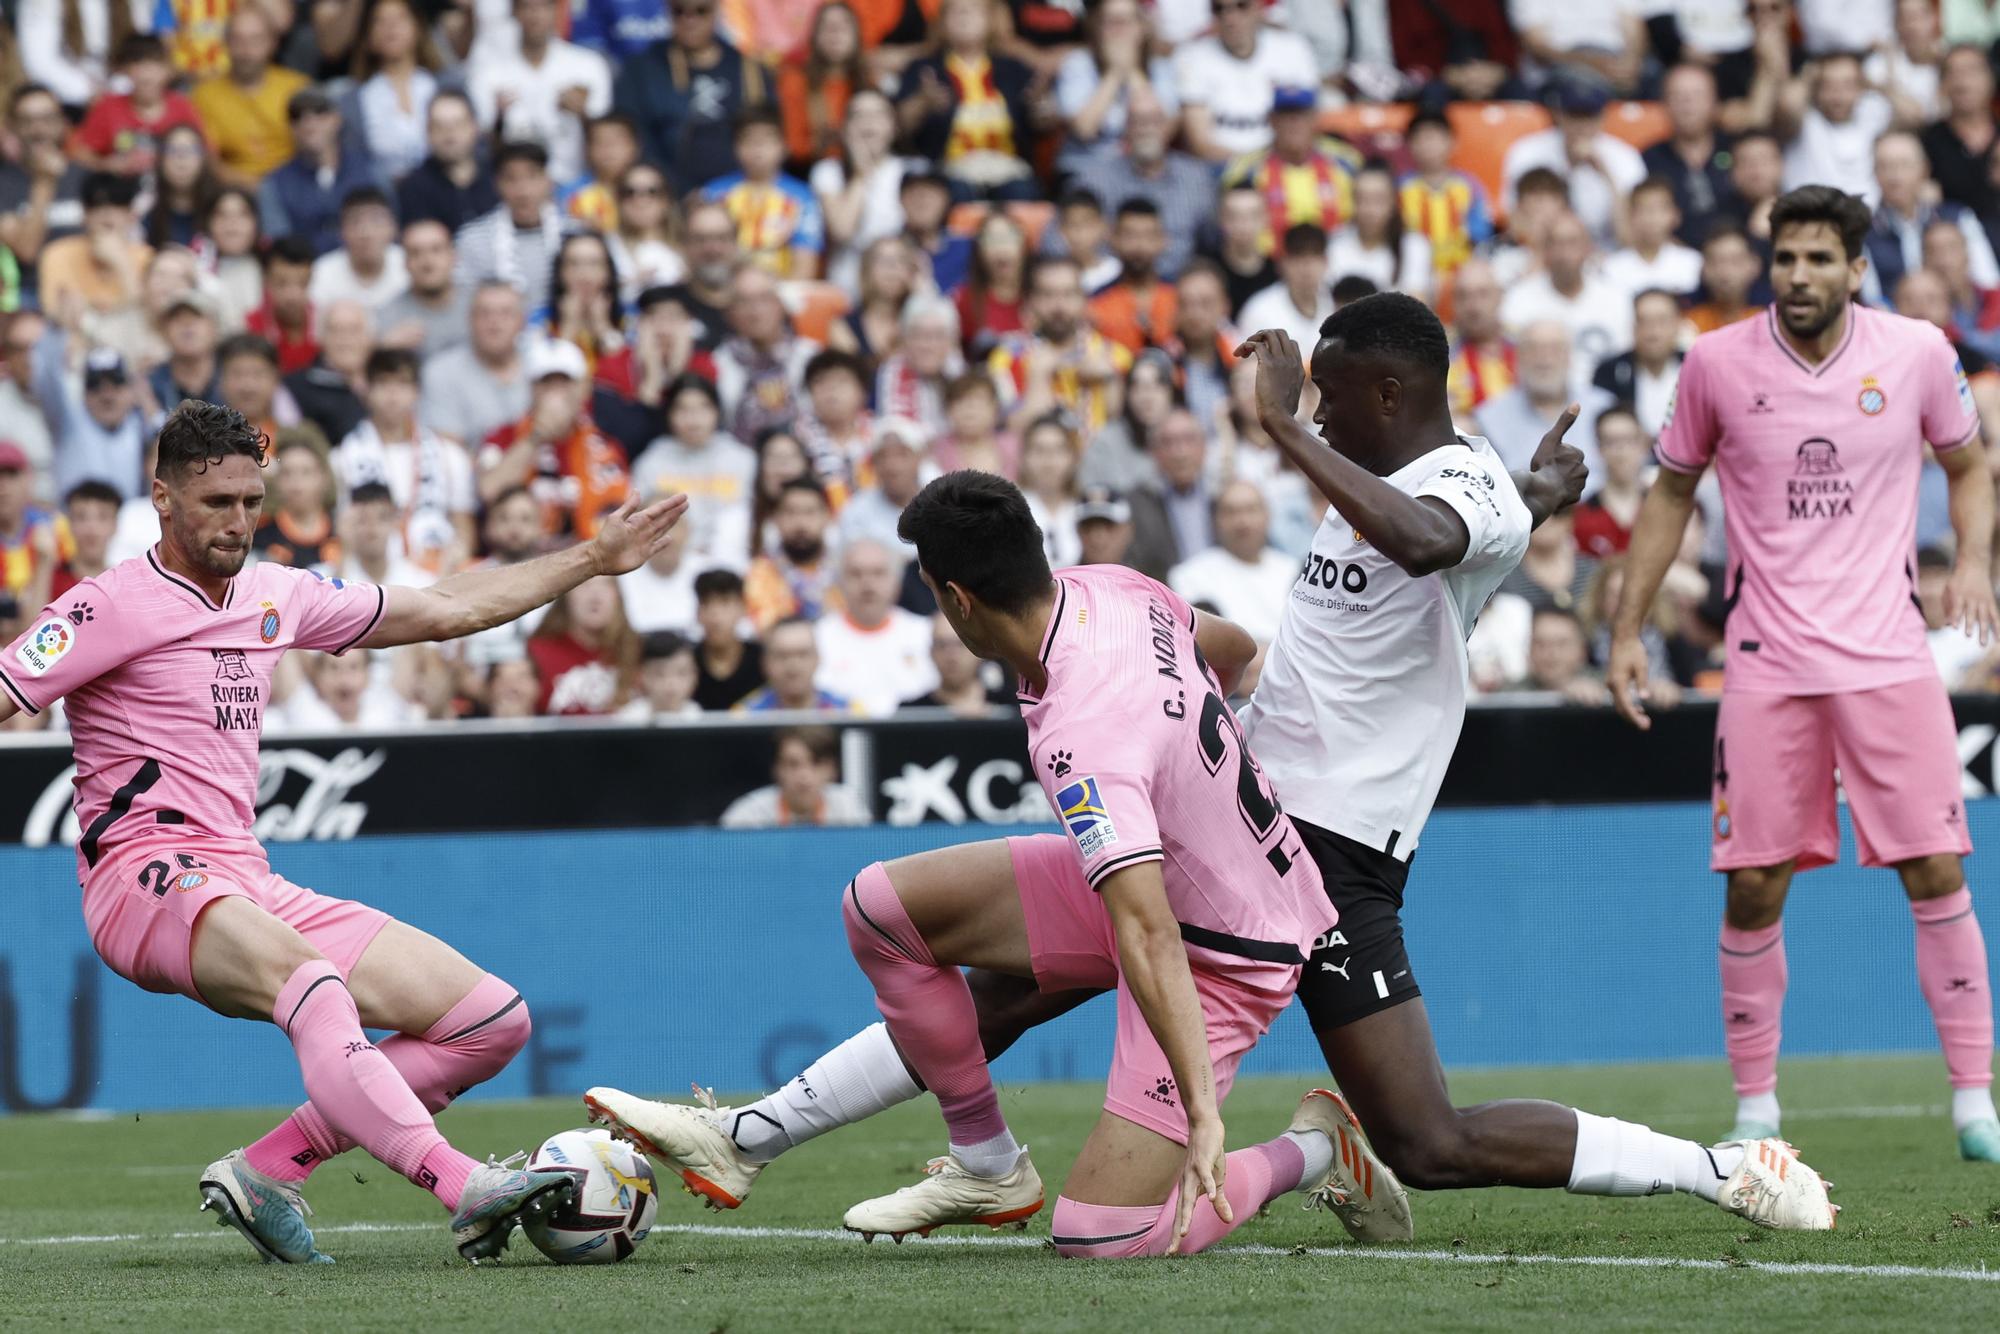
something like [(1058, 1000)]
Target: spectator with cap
[(803, 789), (1103, 527), (21, 335), (1644, 378), (961, 678), (297, 527), (1599, 167), (1137, 311), (330, 391), (453, 184), (1482, 358), (713, 469), (683, 92), (1695, 157), (1300, 301), (542, 90), (1241, 576), (872, 652), (94, 418), (1895, 240), (432, 313), (33, 541), (1445, 206), (667, 678), (660, 595), (1515, 421), (1175, 519), (1597, 317), (969, 109), (472, 390), (795, 576), (430, 477), (1829, 119), (760, 368), (245, 112), (97, 270), (729, 666), (90, 511), (1600, 44), (1301, 176), (302, 197), (791, 668), (897, 463), (1227, 81), (1179, 185), (576, 472), (191, 326), (368, 266), (41, 189), (518, 241), (1063, 363)]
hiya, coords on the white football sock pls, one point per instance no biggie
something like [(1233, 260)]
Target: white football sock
[(857, 1079), (989, 1158), (1969, 1105), (1759, 1107), (1318, 1150), (1618, 1158)]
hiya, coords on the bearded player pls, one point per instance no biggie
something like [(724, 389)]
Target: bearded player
[(1359, 709), (1180, 883), (1815, 417), (165, 661)]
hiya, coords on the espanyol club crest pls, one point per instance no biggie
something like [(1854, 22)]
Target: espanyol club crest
[(1872, 400), (267, 627)]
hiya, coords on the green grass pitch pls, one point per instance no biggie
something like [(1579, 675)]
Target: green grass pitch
[(98, 1230)]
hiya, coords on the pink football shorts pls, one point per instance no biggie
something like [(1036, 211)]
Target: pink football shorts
[(1896, 749), (1071, 944), (140, 905)]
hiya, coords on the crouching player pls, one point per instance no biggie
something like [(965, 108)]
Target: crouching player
[(1180, 882), (165, 661)]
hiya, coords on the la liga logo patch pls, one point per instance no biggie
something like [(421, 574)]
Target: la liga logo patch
[(45, 645)]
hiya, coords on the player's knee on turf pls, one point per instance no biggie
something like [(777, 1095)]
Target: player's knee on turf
[(1755, 897), (1932, 877)]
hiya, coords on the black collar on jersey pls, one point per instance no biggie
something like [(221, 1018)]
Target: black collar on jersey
[(1778, 337), (1049, 639), (228, 595)]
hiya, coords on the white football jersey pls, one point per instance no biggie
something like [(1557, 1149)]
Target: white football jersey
[(1363, 691)]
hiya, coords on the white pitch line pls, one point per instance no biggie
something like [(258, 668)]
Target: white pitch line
[(1779, 1267)]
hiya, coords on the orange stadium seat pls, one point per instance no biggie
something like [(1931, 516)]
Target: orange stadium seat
[(1486, 130), (1373, 127), (1034, 217), (965, 219), (1640, 124), (814, 306)]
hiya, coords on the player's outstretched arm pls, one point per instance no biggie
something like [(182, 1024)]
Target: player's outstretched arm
[(1423, 536), (1656, 539), (1225, 646), (477, 599), (1968, 597), (1153, 962)]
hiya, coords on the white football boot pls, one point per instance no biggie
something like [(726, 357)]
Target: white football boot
[(950, 1195), (693, 1140), (1772, 1188), (1359, 1187)]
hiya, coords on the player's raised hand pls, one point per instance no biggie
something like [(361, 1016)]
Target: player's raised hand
[(629, 535), (1207, 1163), (1562, 460), (1626, 677), (1968, 601), (1281, 372)]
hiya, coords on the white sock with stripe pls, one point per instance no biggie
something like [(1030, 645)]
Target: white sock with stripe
[(1618, 1158), (857, 1079)]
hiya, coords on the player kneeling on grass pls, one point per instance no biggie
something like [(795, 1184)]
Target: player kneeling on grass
[(1180, 882), (166, 663)]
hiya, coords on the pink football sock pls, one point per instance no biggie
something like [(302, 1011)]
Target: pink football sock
[(359, 1090), (472, 1043), (1253, 1178), (927, 1005), (1753, 1001), (1951, 969)]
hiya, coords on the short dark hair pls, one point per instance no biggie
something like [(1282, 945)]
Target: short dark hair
[(1541, 181), (1724, 230), (664, 644), (1302, 239), (1653, 185), (832, 361), (294, 250), (1623, 409), (756, 116), (968, 383), (369, 492), (28, 90), (1138, 206), (1353, 287), (794, 621), (615, 120), (388, 362), (364, 196), (1042, 264), (690, 382), (712, 584), (511, 493), (1394, 327), (1430, 117), (821, 742), (1810, 204), (136, 47), (1648, 293), (1770, 137), (104, 189), (810, 485), (1078, 196), (246, 345), (92, 489), (974, 529), (197, 434), (520, 150)]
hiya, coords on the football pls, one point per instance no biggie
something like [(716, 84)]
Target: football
[(614, 1205)]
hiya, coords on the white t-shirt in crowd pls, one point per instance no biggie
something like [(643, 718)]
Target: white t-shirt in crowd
[(305, 711), (881, 214), (1846, 25), (1839, 155), (1363, 692), (1236, 92), (1272, 308), (1347, 256), (875, 670), (1713, 27), (1593, 190), (1595, 25), (536, 114), (334, 279), (1598, 317), (655, 601), (1676, 269), (1251, 593)]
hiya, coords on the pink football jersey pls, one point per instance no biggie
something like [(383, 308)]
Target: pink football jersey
[(166, 690), (1143, 761), (1819, 468)]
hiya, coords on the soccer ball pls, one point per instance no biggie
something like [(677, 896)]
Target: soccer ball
[(614, 1204)]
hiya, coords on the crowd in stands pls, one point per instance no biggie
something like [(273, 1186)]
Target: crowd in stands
[(482, 269)]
